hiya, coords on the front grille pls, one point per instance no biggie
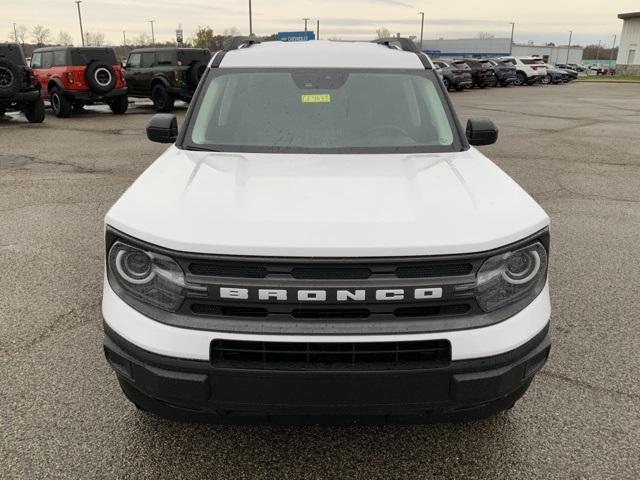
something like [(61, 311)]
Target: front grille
[(331, 313), (318, 270), (418, 354)]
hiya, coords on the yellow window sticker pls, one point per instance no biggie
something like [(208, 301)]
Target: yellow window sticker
[(317, 98)]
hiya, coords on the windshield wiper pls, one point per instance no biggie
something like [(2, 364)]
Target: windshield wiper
[(199, 149)]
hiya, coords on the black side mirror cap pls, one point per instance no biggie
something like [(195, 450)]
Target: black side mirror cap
[(163, 128), (481, 131)]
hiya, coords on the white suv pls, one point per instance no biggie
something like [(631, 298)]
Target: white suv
[(323, 242), (529, 69)]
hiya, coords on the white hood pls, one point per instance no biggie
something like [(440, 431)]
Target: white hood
[(326, 205)]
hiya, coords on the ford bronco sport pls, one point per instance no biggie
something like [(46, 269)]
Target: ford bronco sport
[(72, 77), (19, 89), (322, 241), (166, 74)]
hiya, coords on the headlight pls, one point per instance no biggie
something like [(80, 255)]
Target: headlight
[(512, 277), (149, 277)]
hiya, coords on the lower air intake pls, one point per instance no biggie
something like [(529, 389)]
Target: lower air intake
[(419, 354)]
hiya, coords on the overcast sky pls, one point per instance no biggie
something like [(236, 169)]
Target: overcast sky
[(537, 20)]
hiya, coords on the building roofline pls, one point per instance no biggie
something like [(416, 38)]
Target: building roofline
[(625, 16)]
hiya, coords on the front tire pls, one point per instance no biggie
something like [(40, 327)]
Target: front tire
[(119, 105), (60, 105), (35, 111), (162, 100), (521, 79), (546, 80)]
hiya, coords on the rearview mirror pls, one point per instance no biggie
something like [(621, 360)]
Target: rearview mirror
[(163, 128), (481, 131)]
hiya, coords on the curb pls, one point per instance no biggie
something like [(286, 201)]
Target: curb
[(607, 81)]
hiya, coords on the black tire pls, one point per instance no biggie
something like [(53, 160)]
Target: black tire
[(119, 105), (521, 79), (2, 111), (10, 78), (482, 85), (195, 73), (447, 84), (101, 77), (162, 100), (35, 111), (547, 80), (60, 105), (504, 84), (78, 106), (459, 88)]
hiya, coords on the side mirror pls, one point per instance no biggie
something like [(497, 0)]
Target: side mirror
[(481, 131), (163, 128)]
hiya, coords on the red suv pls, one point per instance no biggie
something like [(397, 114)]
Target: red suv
[(72, 77)]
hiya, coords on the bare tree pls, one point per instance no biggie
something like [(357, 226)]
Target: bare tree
[(142, 40), (19, 34), (94, 39), (382, 32), (231, 32), (64, 38), (485, 36), (40, 34)]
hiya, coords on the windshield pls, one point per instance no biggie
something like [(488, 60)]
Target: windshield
[(322, 111)]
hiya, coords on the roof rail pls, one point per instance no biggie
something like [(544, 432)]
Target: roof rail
[(405, 44), (235, 43)]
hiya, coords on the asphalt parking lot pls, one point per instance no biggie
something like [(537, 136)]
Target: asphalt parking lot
[(573, 147)]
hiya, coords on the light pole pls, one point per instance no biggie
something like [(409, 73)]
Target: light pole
[(153, 35), (317, 29), (15, 32), (598, 51), (421, 30), (78, 2), (569, 47), (306, 21), (615, 37), (513, 28), (250, 21)]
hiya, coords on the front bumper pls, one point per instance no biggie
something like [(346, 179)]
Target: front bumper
[(200, 391)]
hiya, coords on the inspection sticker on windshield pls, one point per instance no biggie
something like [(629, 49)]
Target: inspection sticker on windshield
[(318, 98)]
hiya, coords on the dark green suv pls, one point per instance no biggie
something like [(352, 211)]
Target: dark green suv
[(165, 74)]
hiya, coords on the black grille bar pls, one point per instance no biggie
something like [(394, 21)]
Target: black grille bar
[(416, 354)]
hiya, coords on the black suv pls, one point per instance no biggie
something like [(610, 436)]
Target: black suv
[(505, 72), (458, 76), (483, 74), (166, 74), (19, 89)]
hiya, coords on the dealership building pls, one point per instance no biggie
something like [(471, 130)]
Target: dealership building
[(501, 47), (629, 51)]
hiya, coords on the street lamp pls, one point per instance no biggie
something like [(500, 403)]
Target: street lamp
[(615, 37), (78, 2), (421, 30), (153, 35), (569, 47), (306, 20), (250, 21), (513, 27)]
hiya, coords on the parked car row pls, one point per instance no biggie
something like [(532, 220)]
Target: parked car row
[(459, 74), (72, 77)]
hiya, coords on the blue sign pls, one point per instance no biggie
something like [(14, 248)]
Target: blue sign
[(296, 36)]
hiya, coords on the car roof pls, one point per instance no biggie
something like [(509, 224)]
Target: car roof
[(165, 49), (71, 47), (321, 54)]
